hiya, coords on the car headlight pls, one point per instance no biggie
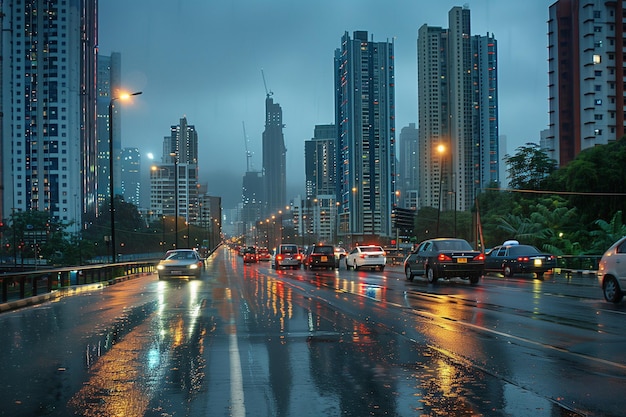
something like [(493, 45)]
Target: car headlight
[(160, 267), (193, 266)]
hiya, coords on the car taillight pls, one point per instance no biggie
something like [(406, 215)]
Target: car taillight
[(479, 257), (443, 257), (299, 257), (279, 257), (523, 259)]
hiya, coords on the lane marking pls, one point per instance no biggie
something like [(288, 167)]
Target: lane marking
[(238, 406)]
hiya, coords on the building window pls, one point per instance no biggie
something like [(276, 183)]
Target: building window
[(597, 59), (597, 117), (598, 102), (597, 132)]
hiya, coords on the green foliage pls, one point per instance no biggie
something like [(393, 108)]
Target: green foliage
[(529, 168)]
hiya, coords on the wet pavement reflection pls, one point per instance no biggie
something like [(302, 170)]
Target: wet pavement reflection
[(249, 341)]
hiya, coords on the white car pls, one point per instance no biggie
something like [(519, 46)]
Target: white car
[(612, 271), (370, 256)]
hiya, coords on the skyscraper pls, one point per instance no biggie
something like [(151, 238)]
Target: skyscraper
[(48, 143), (587, 95), (408, 167), (108, 84), (320, 161), (130, 167), (457, 113), (366, 154), (274, 157)]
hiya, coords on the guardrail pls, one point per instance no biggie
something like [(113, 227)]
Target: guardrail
[(21, 285), (583, 264)]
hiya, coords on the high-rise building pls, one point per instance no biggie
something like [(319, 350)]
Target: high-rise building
[(274, 157), (586, 75), (408, 168), (48, 108), (109, 84), (457, 113), (365, 120), (320, 161), (130, 167), (174, 183)]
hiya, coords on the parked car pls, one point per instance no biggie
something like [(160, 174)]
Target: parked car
[(287, 255), (612, 271), (512, 258), (445, 258), (180, 263), (264, 254), (369, 256), (320, 256), (250, 255)]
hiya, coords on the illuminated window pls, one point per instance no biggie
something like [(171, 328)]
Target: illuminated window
[(597, 59)]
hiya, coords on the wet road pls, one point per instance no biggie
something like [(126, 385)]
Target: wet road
[(251, 341)]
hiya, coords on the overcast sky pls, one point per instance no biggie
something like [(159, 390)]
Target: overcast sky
[(203, 59)]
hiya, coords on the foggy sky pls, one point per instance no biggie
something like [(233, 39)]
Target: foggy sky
[(203, 59)]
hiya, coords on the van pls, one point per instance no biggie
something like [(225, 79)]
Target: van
[(287, 255)]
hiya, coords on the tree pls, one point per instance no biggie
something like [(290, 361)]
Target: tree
[(529, 168)]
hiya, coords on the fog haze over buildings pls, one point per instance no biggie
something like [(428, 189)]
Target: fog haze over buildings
[(204, 61)]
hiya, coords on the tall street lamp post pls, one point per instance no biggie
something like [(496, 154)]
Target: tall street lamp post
[(441, 149), (123, 96)]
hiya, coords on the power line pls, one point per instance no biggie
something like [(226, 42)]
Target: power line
[(514, 190)]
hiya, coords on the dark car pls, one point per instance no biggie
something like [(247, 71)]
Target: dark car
[(250, 255), (512, 258), (180, 263), (320, 256), (445, 258)]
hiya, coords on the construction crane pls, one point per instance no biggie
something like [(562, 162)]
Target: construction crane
[(248, 153), (267, 93)]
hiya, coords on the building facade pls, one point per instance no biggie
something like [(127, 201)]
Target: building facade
[(366, 149), (274, 157), (130, 175), (109, 84), (48, 146), (457, 113), (408, 164), (586, 75)]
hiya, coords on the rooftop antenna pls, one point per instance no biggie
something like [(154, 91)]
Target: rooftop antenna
[(248, 153), (267, 93)]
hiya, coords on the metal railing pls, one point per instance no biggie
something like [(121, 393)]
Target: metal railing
[(20, 285)]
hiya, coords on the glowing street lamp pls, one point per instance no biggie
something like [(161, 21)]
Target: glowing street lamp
[(122, 96)]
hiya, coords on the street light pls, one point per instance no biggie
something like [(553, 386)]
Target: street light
[(441, 149), (123, 96), (175, 158)]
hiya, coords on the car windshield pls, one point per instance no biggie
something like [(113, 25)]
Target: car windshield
[(181, 255), (453, 244), (324, 249)]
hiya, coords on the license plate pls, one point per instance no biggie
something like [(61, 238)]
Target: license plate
[(324, 258), (461, 260), (176, 272), (538, 262)]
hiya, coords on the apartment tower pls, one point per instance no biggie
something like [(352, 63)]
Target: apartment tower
[(586, 76), (366, 146)]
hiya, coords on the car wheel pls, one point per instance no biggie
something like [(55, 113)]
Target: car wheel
[(347, 265), (473, 279), (382, 268), (431, 276), (356, 266), (540, 274), (507, 271), (407, 272), (611, 290)]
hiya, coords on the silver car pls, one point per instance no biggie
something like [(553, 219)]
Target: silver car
[(180, 263), (612, 271)]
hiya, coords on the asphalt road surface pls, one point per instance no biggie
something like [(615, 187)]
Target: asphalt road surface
[(252, 341)]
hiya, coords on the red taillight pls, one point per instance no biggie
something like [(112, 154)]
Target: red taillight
[(279, 257), (479, 257), (299, 257), (443, 257), (523, 259)]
